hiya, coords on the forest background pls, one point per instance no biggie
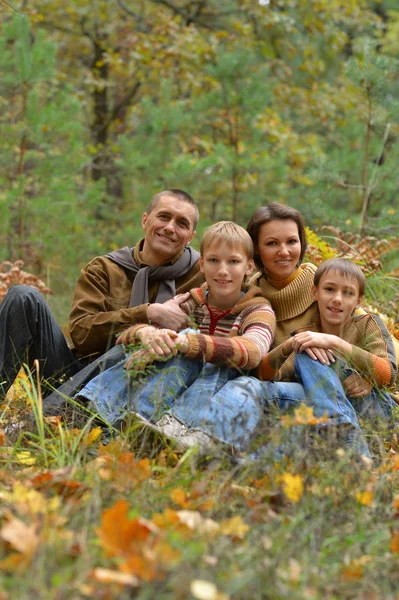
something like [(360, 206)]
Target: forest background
[(104, 103)]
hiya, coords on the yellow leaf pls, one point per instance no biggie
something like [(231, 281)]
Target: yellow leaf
[(24, 457), (303, 415), (30, 501), (365, 498), (234, 527), (391, 211), (180, 497), (293, 486)]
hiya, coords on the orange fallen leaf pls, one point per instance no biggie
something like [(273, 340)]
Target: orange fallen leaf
[(395, 541), (365, 498), (180, 497)]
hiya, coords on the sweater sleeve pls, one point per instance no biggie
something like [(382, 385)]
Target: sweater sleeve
[(271, 364), (373, 358), (93, 326), (243, 351)]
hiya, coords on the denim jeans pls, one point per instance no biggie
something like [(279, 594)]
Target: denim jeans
[(233, 408), (325, 393), (114, 393)]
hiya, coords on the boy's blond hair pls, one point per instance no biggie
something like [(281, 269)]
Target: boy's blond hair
[(344, 267), (228, 233)]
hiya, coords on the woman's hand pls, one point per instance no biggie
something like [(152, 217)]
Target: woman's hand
[(356, 386)]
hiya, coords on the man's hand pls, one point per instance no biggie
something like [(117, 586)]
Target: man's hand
[(169, 314), (356, 386)]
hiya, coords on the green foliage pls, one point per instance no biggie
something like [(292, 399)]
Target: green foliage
[(104, 105)]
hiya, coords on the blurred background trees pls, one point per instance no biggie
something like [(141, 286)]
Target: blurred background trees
[(105, 102)]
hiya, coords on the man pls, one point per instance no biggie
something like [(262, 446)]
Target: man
[(113, 291)]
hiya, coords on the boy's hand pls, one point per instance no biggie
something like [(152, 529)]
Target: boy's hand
[(317, 345), (160, 342), (182, 343), (139, 360), (356, 386), (169, 314)]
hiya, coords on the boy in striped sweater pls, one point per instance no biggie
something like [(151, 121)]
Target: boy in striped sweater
[(235, 331)]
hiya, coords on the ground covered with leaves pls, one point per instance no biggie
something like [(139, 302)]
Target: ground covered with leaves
[(132, 518)]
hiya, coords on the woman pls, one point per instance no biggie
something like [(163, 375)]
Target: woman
[(279, 238)]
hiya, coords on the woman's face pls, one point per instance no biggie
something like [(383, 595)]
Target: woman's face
[(279, 248)]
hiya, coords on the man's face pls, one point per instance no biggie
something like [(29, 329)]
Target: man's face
[(337, 296), (168, 228)]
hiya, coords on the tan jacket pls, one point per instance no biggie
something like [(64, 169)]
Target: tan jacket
[(100, 307)]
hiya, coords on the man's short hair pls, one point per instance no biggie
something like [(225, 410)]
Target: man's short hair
[(179, 195), (344, 267), (229, 234)]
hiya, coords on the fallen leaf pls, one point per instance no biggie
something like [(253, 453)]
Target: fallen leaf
[(395, 541), (303, 415), (206, 590), (110, 576), (20, 536), (234, 527), (195, 521), (365, 498), (292, 486)]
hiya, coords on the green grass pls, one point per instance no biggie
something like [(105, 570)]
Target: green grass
[(331, 538)]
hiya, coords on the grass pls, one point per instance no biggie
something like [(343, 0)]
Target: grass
[(136, 519)]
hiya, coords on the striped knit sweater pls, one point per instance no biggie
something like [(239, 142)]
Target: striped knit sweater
[(369, 356), (294, 304), (239, 337)]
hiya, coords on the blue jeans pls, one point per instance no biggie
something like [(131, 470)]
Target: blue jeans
[(231, 411), (325, 393), (114, 393)]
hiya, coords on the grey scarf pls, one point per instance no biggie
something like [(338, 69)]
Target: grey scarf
[(165, 274)]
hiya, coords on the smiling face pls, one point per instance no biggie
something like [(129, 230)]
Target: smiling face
[(225, 267), (337, 296), (279, 248), (168, 228)]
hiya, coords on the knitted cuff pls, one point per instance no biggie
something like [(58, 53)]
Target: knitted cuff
[(194, 345)]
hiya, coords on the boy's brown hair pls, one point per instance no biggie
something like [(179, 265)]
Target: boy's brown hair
[(344, 267), (228, 233)]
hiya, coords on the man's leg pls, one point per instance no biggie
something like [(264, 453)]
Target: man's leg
[(28, 331)]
